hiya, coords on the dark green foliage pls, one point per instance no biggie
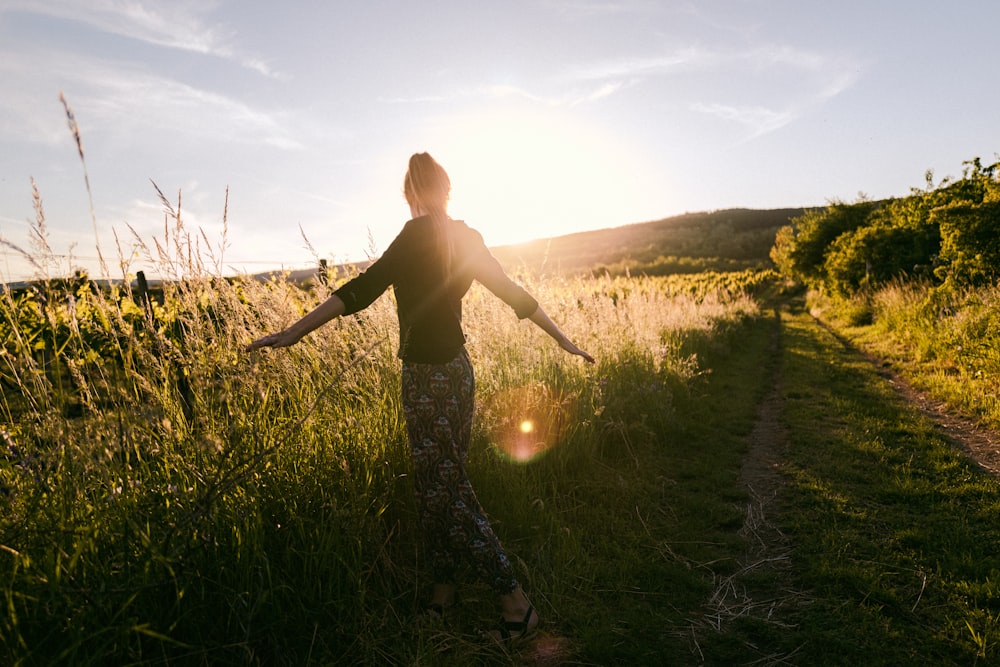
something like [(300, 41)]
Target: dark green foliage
[(875, 254), (803, 253), (970, 244), (948, 233)]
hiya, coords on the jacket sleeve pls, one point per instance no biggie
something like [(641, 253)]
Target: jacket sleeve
[(490, 274), (362, 290)]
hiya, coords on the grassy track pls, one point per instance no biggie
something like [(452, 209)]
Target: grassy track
[(895, 535), (223, 521), (888, 536), (636, 538)]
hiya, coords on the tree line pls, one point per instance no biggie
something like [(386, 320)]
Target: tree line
[(948, 234)]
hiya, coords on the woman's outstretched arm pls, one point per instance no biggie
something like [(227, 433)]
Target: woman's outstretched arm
[(546, 324), (317, 317)]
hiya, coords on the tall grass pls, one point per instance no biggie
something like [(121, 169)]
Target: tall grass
[(894, 529), (167, 497), (948, 339)]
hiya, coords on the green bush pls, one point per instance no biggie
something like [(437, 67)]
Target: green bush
[(950, 232), (970, 242)]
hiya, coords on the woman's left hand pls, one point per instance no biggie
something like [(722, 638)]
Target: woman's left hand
[(281, 339)]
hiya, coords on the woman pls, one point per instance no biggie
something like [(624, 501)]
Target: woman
[(431, 265)]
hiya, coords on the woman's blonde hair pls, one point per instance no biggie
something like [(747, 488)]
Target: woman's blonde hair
[(426, 184), (427, 187)]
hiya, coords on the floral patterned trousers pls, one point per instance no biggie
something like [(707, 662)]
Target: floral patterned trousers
[(438, 401)]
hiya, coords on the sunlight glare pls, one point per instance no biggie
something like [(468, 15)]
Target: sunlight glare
[(527, 421), (520, 176)]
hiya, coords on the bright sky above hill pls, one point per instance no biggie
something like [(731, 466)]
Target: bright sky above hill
[(551, 116)]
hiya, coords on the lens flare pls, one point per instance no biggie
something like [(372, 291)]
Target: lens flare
[(527, 421)]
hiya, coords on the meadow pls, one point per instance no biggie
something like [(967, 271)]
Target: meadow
[(946, 340), (169, 498)]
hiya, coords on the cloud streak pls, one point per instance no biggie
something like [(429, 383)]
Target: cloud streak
[(180, 25), (643, 66), (146, 100), (816, 79), (760, 120), (129, 98), (808, 79), (594, 8)]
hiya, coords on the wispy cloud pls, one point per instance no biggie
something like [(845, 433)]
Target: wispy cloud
[(808, 80), (570, 98), (128, 98), (783, 55), (643, 66), (140, 99), (606, 90), (761, 88), (181, 25), (501, 91), (759, 120), (19, 111), (794, 80), (419, 99)]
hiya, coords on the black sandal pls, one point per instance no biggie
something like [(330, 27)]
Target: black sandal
[(514, 630)]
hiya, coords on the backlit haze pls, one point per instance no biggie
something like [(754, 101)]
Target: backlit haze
[(551, 116)]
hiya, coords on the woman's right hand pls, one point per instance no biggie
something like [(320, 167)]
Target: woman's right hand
[(542, 320), (571, 347)]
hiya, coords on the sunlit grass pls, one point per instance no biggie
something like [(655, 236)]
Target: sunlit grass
[(895, 529), (945, 339), (167, 496)]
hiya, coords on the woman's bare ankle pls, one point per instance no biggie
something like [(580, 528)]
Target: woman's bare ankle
[(515, 605), (443, 595)]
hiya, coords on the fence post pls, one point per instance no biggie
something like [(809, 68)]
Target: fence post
[(143, 296)]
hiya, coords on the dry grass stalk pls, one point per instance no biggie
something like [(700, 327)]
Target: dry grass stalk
[(74, 128)]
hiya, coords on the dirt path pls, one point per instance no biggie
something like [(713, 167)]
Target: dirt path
[(981, 444), (767, 558), (760, 587)]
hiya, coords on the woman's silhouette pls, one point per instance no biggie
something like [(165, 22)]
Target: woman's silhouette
[(430, 266)]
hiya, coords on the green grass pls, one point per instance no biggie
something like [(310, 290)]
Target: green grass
[(896, 533), (945, 340), (271, 522), (166, 498), (170, 499)]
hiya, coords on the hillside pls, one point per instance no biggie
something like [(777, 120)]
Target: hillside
[(725, 239), (730, 239)]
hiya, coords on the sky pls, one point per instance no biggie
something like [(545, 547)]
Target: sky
[(551, 116)]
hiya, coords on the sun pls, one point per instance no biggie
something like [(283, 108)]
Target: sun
[(518, 176)]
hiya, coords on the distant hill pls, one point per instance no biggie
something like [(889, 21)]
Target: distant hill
[(725, 240), (730, 239)]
